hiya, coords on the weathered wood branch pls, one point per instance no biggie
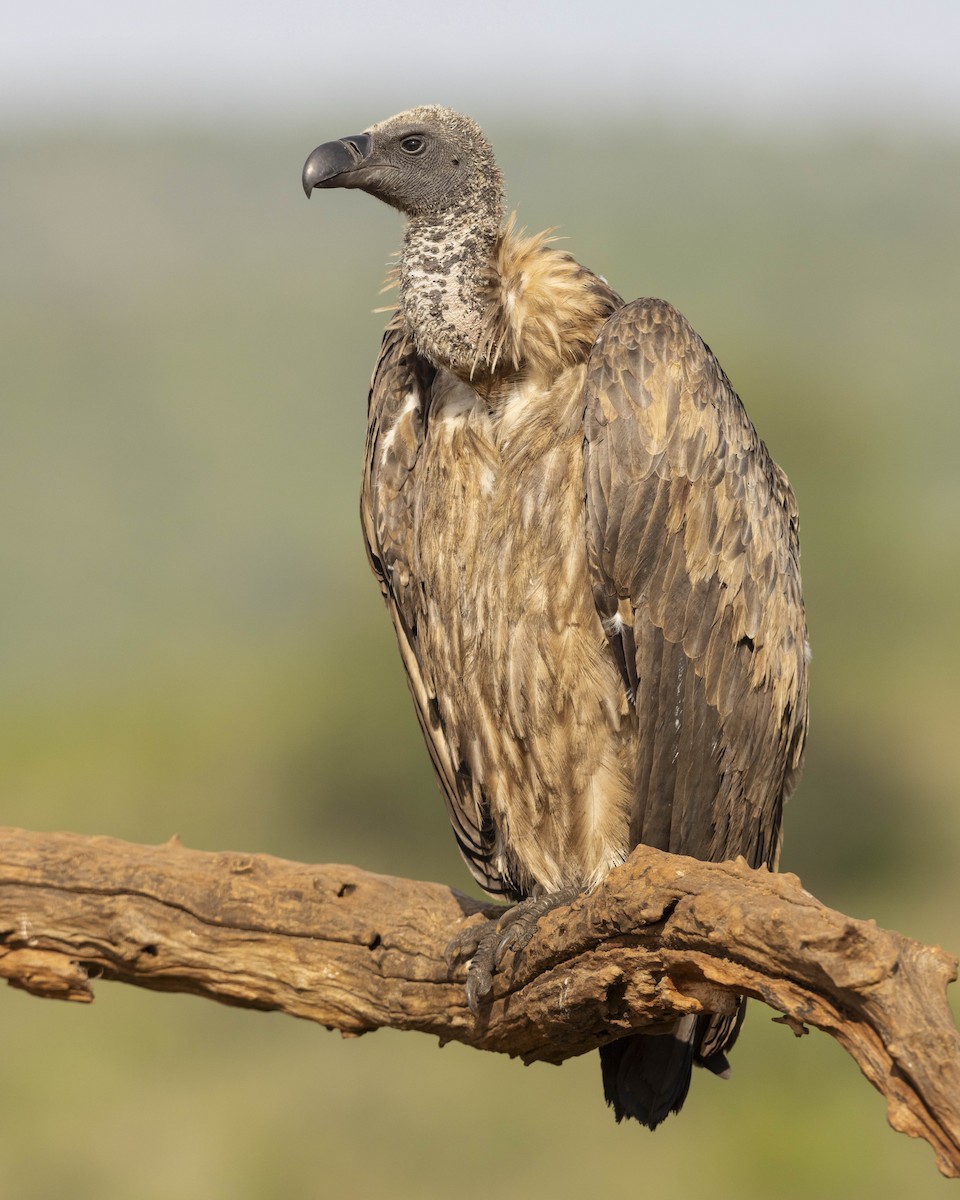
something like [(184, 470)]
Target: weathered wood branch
[(355, 951)]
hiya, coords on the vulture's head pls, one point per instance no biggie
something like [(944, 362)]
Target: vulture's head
[(427, 162)]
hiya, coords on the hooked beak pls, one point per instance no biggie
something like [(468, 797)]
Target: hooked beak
[(340, 164)]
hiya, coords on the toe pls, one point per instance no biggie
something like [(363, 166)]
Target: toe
[(479, 986)]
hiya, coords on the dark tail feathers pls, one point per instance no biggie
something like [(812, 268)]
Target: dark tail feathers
[(647, 1076)]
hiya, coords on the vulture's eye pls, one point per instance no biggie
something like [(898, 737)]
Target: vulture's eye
[(412, 145)]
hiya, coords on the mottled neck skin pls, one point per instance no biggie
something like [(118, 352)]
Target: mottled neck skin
[(448, 285)]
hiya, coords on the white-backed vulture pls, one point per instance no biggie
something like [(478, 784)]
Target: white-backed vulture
[(590, 559)]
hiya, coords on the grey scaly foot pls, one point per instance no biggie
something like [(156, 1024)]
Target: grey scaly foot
[(486, 943)]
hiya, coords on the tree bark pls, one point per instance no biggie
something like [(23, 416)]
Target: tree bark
[(662, 936)]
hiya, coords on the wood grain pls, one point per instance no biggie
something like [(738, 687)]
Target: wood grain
[(354, 951)]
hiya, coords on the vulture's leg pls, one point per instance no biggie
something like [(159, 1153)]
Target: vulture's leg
[(485, 943)]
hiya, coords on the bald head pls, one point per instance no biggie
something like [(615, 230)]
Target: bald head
[(426, 162)]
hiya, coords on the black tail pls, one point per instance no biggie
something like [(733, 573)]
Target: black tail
[(647, 1076)]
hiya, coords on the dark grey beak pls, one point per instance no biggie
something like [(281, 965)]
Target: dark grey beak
[(338, 164)]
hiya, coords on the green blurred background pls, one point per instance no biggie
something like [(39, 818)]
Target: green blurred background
[(191, 642)]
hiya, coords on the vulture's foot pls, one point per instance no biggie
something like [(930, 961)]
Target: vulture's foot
[(486, 943)]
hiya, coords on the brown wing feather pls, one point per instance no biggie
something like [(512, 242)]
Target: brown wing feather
[(692, 536), (398, 411), (693, 541)]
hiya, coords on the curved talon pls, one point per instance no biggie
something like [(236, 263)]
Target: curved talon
[(514, 937), (479, 981), (476, 944), (464, 945), (486, 943)]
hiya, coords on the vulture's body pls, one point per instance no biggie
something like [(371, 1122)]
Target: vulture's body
[(590, 559)]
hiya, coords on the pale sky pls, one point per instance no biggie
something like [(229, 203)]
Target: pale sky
[(805, 61)]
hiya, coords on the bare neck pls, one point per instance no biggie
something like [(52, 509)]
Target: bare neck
[(448, 287)]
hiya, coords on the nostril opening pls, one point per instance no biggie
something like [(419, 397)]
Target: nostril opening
[(358, 144)]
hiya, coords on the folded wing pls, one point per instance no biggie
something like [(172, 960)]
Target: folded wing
[(694, 556)]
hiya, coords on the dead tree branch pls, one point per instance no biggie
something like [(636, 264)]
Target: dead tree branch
[(355, 951)]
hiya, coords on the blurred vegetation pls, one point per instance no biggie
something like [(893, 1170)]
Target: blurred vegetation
[(191, 642)]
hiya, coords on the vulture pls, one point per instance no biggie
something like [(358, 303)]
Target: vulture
[(590, 559)]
